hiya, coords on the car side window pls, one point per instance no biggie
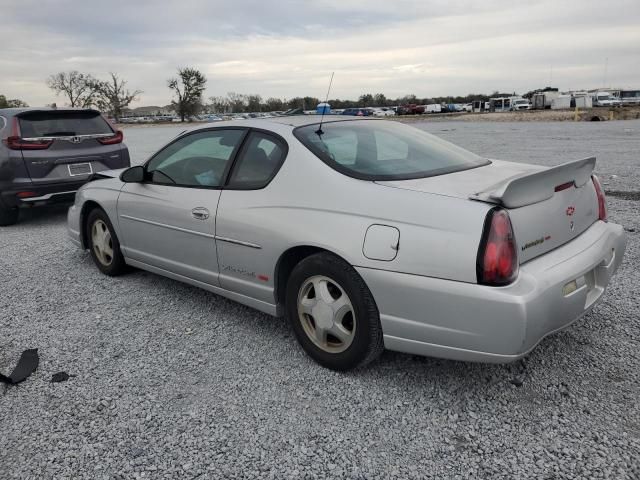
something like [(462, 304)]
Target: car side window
[(258, 162), (196, 160)]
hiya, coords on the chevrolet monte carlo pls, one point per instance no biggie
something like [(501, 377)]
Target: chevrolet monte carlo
[(366, 234)]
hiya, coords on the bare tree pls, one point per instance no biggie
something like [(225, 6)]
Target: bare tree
[(218, 104), (254, 103), (237, 102), (273, 104), (113, 96), (188, 88), (79, 88)]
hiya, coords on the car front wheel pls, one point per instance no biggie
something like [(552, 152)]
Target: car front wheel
[(103, 243), (333, 313)]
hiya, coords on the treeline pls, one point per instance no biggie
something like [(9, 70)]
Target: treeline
[(244, 103), (11, 103), (112, 96), (83, 90)]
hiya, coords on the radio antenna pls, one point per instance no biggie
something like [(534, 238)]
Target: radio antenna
[(324, 107)]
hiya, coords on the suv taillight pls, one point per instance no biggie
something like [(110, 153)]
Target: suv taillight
[(116, 138), (602, 202), (497, 262), (15, 142)]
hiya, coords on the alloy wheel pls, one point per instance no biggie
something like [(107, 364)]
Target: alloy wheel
[(326, 314)]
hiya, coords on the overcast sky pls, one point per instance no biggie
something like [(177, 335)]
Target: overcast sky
[(289, 48)]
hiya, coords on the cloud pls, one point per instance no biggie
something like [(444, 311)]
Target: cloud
[(288, 48)]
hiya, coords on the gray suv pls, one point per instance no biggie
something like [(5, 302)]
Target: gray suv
[(46, 154)]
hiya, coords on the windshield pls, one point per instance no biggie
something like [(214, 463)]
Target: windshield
[(62, 123), (379, 150)]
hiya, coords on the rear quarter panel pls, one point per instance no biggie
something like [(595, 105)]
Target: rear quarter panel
[(308, 203)]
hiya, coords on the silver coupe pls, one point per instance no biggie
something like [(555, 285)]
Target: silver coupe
[(366, 234)]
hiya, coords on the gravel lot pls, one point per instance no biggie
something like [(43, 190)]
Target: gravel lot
[(173, 382)]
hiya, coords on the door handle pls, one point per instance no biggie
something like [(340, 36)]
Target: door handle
[(200, 213)]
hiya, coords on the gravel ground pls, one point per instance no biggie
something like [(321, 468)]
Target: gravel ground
[(169, 381)]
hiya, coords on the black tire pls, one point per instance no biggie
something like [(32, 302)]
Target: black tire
[(367, 342), (113, 264), (8, 216)]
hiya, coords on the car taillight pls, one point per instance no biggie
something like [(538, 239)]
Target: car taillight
[(602, 202), (497, 262), (15, 142), (116, 138)]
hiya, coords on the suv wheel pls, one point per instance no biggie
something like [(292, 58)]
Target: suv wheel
[(8, 216), (333, 313)]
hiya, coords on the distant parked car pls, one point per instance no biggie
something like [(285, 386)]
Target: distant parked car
[(383, 112), (359, 112), (47, 154), (520, 104), (433, 108), (410, 109)]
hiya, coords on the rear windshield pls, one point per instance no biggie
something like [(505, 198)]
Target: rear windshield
[(52, 124), (381, 150)]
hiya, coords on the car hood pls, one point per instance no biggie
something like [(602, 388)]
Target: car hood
[(467, 182), (109, 173)]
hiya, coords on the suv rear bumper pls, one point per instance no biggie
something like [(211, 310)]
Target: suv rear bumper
[(40, 194), (470, 322)]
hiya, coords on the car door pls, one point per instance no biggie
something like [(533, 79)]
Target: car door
[(168, 221), (248, 247)]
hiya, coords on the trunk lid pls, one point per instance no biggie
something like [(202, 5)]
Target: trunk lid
[(548, 207), (75, 152)]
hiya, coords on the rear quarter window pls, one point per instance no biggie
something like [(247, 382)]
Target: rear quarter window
[(51, 124)]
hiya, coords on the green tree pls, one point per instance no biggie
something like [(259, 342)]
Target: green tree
[(366, 100), (79, 88), (188, 89), (379, 100)]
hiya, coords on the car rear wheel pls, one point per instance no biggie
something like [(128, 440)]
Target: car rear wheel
[(103, 244), (333, 313), (8, 216)]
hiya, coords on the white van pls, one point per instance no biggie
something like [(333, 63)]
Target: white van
[(605, 99)]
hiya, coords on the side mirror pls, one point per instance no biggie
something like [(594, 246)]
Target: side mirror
[(133, 175)]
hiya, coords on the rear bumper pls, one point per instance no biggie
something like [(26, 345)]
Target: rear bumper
[(63, 192), (470, 322)]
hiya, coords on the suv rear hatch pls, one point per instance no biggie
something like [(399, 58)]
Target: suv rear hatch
[(548, 207), (67, 145)]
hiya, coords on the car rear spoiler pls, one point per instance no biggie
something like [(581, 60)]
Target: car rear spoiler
[(529, 188)]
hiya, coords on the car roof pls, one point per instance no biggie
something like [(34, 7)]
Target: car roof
[(284, 123), (17, 111), (303, 120)]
